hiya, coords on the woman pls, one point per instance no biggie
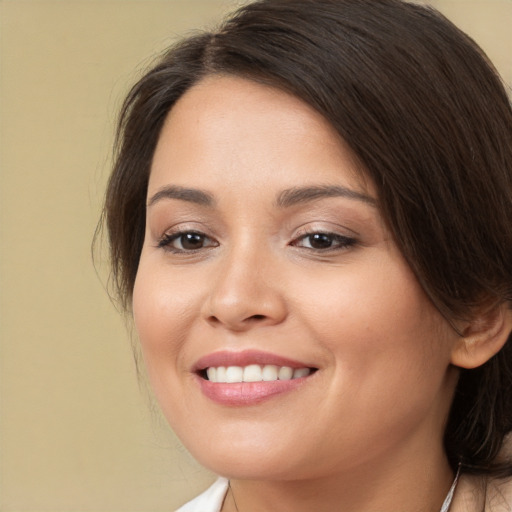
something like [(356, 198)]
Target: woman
[(309, 217)]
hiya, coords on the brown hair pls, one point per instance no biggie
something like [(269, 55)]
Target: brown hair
[(426, 114)]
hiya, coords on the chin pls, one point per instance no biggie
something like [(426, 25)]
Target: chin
[(243, 457)]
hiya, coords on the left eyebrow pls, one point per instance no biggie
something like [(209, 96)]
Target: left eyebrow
[(299, 195)]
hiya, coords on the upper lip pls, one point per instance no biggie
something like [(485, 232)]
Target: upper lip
[(245, 358)]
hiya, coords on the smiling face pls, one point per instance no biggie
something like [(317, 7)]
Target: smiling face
[(266, 260)]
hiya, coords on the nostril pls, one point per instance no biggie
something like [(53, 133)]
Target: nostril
[(213, 319), (257, 317)]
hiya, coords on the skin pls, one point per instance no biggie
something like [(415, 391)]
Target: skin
[(364, 432)]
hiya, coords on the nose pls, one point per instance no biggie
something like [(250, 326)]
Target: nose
[(246, 293)]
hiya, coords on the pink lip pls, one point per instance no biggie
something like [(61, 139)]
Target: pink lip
[(245, 358), (246, 393), (243, 394)]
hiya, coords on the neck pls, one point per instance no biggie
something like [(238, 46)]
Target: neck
[(416, 485)]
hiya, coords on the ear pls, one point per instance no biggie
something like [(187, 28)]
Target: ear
[(483, 337)]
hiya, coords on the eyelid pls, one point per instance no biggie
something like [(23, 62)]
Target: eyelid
[(342, 242), (328, 228), (162, 230), (172, 234), (170, 237)]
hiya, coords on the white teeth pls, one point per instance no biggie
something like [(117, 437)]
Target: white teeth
[(254, 373), (285, 373), (234, 374), (221, 374), (301, 372), (269, 372), (212, 374)]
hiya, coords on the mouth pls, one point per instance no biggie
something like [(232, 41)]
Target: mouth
[(249, 377), (253, 373)]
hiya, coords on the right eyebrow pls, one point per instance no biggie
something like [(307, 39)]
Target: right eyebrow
[(191, 195)]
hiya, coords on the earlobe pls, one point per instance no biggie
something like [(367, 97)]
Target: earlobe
[(483, 337)]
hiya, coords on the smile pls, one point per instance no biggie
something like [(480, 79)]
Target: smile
[(249, 377), (254, 373)]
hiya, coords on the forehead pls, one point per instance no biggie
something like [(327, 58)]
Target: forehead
[(231, 130)]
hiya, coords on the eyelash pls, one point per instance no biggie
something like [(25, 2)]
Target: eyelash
[(340, 242), (168, 238)]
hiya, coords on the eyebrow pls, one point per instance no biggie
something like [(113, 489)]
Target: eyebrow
[(299, 195), (287, 198), (191, 195)]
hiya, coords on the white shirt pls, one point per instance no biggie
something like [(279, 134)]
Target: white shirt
[(473, 494), (210, 500)]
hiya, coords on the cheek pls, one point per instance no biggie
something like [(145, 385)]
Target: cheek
[(379, 326), (390, 354), (380, 298), (162, 312)]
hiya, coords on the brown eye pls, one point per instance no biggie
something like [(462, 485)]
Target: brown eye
[(190, 241), (320, 241), (186, 242), (324, 241)]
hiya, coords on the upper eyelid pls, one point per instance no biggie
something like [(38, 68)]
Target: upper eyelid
[(176, 233), (322, 232), (327, 233), (332, 229), (166, 240), (184, 227), (308, 228)]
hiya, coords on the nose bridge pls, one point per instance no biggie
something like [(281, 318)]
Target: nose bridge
[(246, 290)]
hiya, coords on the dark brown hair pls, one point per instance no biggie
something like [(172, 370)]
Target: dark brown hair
[(428, 118)]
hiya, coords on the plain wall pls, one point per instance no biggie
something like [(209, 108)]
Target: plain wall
[(76, 431)]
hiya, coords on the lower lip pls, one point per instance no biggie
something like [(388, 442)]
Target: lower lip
[(240, 394)]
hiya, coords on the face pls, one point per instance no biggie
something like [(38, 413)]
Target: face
[(284, 334)]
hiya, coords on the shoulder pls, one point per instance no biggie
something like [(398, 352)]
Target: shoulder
[(210, 500)]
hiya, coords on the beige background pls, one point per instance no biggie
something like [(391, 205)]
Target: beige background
[(76, 432)]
